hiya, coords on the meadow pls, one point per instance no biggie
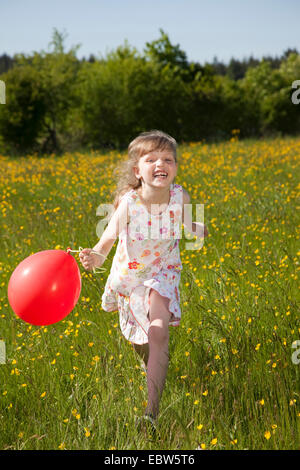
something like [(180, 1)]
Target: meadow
[(232, 382)]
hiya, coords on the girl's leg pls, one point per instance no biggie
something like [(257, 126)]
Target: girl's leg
[(158, 336), (143, 352)]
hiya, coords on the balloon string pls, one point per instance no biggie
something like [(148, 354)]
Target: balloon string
[(95, 270)]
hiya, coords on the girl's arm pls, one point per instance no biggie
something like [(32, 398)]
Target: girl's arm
[(115, 226), (195, 228)]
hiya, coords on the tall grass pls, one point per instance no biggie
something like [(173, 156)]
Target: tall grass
[(231, 380)]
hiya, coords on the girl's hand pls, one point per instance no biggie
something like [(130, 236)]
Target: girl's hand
[(90, 260)]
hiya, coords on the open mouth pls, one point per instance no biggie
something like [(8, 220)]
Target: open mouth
[(161, 175)]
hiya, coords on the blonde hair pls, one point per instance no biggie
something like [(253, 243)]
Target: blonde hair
[(144, 143)]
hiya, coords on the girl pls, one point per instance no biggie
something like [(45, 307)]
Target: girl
[(143, 284)]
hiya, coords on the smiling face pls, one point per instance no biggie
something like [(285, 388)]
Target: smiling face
[(157, 168)]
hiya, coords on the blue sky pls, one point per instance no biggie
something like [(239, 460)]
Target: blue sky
[(204, 29)]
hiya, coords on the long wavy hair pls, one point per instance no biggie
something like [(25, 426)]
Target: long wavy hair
[(144, 143)]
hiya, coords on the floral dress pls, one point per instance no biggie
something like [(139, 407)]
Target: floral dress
[(147, 257)]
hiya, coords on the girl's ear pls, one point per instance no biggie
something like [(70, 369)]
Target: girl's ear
[(135, 169)]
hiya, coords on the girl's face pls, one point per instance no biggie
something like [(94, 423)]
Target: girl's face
[(157, 168)]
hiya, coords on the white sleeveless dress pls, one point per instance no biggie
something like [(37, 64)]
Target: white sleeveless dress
[(147, 257)]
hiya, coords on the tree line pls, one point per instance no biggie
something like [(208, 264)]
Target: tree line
[(56, 102)]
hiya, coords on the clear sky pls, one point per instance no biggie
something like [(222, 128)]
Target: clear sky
[(203, 28)]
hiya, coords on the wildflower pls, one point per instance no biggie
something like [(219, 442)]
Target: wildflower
[(257, 347), (62, 446), (200, 426), (214, 441), (43, 394), (87, 432), (267, 435), (205, 393), (262, 402)]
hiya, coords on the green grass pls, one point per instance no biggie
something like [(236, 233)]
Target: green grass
[(231, 381)]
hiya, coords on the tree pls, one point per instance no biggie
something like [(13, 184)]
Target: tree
[(162, 51), (21, 119), (40, 97)]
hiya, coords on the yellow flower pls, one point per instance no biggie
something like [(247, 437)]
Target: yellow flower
[(200, 426), (233, 442), (214, 441), (43, 394), (205, 393), (262, 402), (62, 446), (267, 435), (203, 446), (257, 347), (87, 432)]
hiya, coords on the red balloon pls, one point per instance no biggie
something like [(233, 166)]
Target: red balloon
[(45, 287)]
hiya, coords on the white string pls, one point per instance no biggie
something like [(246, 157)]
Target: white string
[(95, 270)]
